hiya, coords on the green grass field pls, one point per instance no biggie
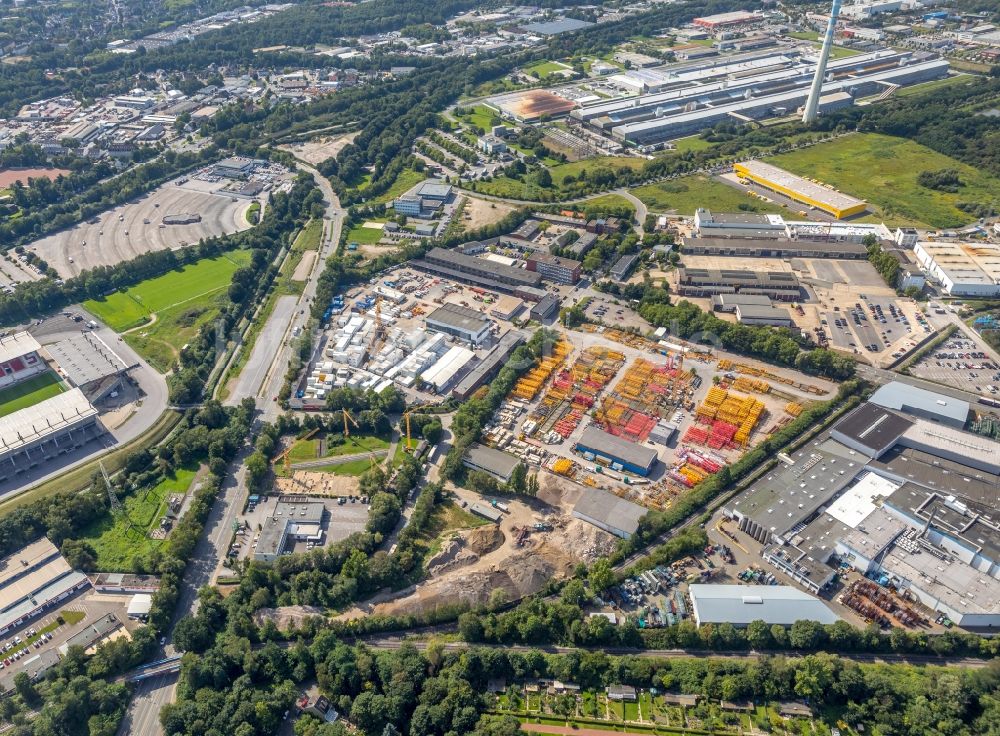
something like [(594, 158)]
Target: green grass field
[(883, 170), (182, 301), (30, 392), (116, 545), (352, 467), (133, 307), (544, 68), (364, 235), (688, 193), (605, 203), (407, 179), (610, 162)]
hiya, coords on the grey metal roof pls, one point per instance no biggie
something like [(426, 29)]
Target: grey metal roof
[(490, 362), (756, 311), (459, 318), (608, 509), (434, 189), (873, 427), (623, 265), (741, 604), (609, 444), (904, 397), (490, 460), (482, 266), (86, 358)]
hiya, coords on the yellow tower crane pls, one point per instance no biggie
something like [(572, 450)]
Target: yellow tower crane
[(409, 440), (347, 416)]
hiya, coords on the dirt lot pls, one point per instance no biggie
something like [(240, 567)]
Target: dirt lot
[(475, 563), (319, 150), (123, 233), (9, 176), (479, 213), (304, 266), (317, 484)]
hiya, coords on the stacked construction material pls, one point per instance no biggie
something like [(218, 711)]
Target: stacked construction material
[(793, 408), (623, 421), (575, 390), (695, 435), (562, 466), (732, 417), (528, 386), (752, 384)]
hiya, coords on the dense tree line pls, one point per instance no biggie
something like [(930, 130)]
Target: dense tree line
[(883, 261)]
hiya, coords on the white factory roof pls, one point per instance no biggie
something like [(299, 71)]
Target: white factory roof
[(801, 185), (965, 263), (859, 501), (445, 369), (44, 418), (972, 447), (904, 397), (16, 345), (741, 604)]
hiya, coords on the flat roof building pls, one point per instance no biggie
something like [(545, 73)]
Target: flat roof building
[(774, 248), (608, 512), (800, 189), (89, 363), (33, 580), (461, 322), (292, 519), (630, 456), (554, 268), (555, 27), (435, 190), (919, 402), (499, 464), (740, 605), (623, 266), (738, 225), (457, 266), (727, 20), (779, 285), (546, 308), (751, 314), (962, 269), (489, 365)]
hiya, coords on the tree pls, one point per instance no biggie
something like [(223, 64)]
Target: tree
[(257, 468), (601, 576), (22, 683), (544, 178)]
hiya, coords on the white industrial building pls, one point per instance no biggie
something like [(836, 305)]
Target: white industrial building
[(962, 269), (445, 372), (740, 605), (461, 322)]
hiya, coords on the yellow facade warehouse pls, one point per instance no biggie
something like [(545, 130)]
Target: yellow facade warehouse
[(802, 190)]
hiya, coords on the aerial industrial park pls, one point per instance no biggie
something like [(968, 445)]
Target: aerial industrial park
[(453, 368)]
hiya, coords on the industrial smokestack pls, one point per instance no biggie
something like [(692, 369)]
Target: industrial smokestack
[(816, 91)]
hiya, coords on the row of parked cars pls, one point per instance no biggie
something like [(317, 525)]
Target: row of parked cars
[(18, 648)]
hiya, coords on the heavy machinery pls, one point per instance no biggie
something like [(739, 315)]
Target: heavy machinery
[(409, 439), (347, 416)]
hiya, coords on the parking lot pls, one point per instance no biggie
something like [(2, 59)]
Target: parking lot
[(344, 517), (137, 227), (45, 633), (961, 362)]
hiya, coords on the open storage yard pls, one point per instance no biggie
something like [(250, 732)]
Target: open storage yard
[(883, 170), (127, 231)]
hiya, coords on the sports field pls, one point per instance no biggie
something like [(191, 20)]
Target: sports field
[(171, 308), (883, 170), (686, 194), (30, 392), (117, 540)]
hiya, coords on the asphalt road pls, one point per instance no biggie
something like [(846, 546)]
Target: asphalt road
[(260, 379)]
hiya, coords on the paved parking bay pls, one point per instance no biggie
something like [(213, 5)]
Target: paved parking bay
[(961, 362)]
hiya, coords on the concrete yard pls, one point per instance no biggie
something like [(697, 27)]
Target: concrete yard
[(129, 230)]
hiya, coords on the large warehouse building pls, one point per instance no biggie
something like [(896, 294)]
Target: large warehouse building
[(962, 269), (778, 285), (41, 432), (33, 580), (457, 266), (485, 459), (799, 189), (740, 605), (622, 454), (608, 512), (488, 366), (774, 248), (461, 322), (907, 501)]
